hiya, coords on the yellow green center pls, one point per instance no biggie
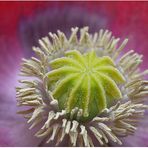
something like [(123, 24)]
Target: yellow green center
[(85, 81)]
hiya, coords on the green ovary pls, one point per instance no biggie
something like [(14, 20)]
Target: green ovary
[(85, 81)]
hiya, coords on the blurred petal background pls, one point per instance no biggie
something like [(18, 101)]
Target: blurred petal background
[(23, 23)]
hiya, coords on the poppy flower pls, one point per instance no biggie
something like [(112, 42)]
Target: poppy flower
[(34, 22)]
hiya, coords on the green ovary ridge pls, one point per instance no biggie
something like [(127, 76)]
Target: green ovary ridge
[(85, 81)]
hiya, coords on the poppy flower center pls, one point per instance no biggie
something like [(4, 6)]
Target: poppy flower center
[(84, 81), (74, 81)]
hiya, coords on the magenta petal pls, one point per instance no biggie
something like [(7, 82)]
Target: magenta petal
[(14, 133), (58, 17), (140, 137), (13, 128)]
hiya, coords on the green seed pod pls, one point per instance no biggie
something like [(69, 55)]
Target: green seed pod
[(85, 81)]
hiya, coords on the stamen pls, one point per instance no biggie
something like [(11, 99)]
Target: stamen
[(91, 69)]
